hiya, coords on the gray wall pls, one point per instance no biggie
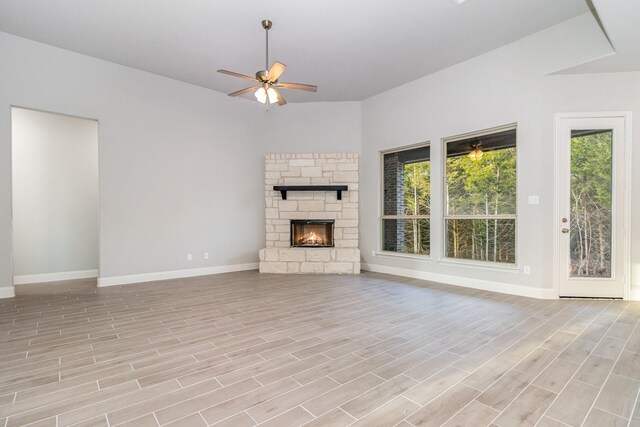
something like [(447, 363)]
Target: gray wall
[(509, 85), (181, 167), (55, 193)]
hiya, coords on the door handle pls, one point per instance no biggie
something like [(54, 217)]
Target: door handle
[(565, 230)]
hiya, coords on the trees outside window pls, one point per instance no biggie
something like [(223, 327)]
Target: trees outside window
[(591, 203), (406, 201), (480, 198)]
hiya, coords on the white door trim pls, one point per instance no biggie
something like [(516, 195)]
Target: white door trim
[(626, 116)]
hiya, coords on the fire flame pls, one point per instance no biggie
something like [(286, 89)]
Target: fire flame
[(312, 238)]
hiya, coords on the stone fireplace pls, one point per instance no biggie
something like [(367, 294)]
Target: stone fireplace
[(312, 214)]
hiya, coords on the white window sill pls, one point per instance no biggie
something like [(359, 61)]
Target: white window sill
[(385, 254), (479, 265), (475, 265)]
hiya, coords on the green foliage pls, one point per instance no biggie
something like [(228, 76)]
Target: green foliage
[(415, 235), (417, 201), (482, 239), (590, 205), (412, 181), (482, 187), (591, 168), (417, 188)]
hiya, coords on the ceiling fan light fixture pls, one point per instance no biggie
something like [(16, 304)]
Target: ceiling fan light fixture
[(272, 95), (263, 94)]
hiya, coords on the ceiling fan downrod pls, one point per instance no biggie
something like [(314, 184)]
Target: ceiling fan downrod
[(266, 24)]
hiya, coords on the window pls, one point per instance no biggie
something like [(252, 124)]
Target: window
[(480, 197), (406, 200)]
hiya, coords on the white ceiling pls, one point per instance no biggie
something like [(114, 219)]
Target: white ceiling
[(351, 49)]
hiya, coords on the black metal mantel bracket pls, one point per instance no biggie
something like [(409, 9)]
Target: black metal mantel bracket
[(337, 188)]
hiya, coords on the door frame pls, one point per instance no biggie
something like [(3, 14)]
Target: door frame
[(626, 193)]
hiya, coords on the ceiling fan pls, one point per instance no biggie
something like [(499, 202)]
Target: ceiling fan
[(266, 81)]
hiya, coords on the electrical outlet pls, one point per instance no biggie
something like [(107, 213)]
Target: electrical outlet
[(189, 257), (534, 200), (206, 255), (373, 253), (526, 269)]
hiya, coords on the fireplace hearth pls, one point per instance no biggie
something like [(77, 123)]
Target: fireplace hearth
[(312, 233)]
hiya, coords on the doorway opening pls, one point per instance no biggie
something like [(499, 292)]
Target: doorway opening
[(55, 197)]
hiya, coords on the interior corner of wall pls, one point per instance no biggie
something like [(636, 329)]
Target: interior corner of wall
[(7, 291)]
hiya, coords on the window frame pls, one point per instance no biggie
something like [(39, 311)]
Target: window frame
[(382, 216), (445, 191)]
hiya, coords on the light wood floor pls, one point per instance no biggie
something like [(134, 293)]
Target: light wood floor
[(241, 349)]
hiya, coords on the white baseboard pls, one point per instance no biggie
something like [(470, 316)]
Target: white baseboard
[(175, 274), (635, 294), (54, 277), (485, 285), (7, 292)]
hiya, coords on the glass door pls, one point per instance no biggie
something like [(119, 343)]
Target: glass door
[(590, 192)]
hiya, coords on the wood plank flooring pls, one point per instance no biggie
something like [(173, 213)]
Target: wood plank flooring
[(242, 349)]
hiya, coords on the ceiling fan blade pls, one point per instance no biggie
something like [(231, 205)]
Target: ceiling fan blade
[(276, 71), (298, 86), (242, 76), (243, 91), (281, 100)]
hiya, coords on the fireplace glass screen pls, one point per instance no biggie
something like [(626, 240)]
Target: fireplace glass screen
[(312, 233)]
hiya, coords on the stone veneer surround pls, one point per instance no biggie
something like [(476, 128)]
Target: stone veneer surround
[(311, 169)]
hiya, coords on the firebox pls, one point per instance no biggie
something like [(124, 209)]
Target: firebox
[(312, 233)]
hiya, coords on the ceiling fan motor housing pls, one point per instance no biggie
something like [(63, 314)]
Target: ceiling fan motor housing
[(262, 75)]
